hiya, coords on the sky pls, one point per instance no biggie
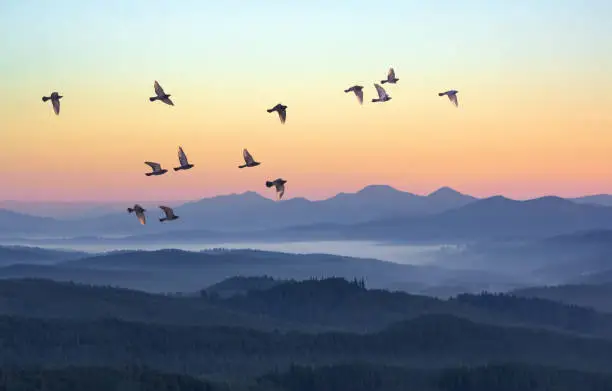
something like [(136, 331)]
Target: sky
[(534, 80)]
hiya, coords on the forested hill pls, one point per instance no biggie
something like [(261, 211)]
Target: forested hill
[(313, 305), (273, 335), (430, 341), (506, 377), (354, 377)]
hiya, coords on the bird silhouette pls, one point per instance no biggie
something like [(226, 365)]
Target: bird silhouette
[(55, 101), (279, 184), (382, 94), (452, 96), (282, 112), (184, 163), (169, 214), (390, 77), (248, 160), (161, 95), (139, 213), (156, 169), (358, 90)]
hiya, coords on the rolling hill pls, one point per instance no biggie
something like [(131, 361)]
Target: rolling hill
[(10, 255), (595, 296), (426, 342), (313, 306)]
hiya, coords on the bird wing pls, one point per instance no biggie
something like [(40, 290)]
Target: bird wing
[(453, 98), (280, 189), (141, 217), (158, 89), (391, 74), (248, 159), (182, 157), (168, 211), (359, 94), (154, 166), (167, 101), (381, 91), (282, 114), (56, 105)]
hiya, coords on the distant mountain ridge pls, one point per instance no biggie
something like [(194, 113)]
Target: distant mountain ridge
[(374, 212), (250, 211)]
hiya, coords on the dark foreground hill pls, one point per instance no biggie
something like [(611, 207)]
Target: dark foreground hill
[(337, 303), (286, 335), (507, 377), (354, 377), (427, 342), (100, 379), (313, 305)]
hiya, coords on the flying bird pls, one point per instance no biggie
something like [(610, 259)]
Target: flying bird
[(248, 160), (390, 77), (382, 94), (183, 161), (452, 96), (156, 169), (169, 214), (161, 95), (279, 184), (55, 97), (282, 112), (139, 213), (358, 90)]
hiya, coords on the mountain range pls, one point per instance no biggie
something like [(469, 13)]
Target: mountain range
[(375, 212)]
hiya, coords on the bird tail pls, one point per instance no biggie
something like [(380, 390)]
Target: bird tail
[(347, 90), (243, 166), (269, 184), (45, 98), (383, 81), (440, 93), (130, 210), (270, 110), (163, 219), (375, 100), (177, 168), (148, 173), (153, 99)]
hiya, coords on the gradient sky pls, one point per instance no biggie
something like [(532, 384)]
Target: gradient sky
[(534, 80)]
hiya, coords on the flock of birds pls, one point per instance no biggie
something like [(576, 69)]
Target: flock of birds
[(249, 161)]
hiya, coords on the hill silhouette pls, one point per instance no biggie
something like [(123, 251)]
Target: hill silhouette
[(310, 306), (429, 341), (35, 255), (255, 335), (240, 285), (595, 296), (179, 270), (371, 377)]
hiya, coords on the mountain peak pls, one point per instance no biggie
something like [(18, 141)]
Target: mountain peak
[(445, 191), (379, 190), (247, 195)]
